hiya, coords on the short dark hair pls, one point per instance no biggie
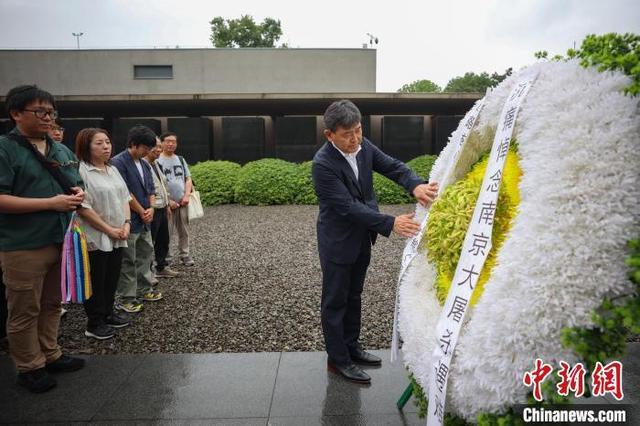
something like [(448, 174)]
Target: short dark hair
[(19, 97), (343, 114), (166, 135), (141, 135), (83, 143)]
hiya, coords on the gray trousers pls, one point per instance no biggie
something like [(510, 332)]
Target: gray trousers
[(179, 224), (135, 275)]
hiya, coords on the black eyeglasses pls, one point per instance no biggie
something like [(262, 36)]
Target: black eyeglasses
[(42, 113)]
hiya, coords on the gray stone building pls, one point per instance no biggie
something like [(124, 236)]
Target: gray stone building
[(232, 104)]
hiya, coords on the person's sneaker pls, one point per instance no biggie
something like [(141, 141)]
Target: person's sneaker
[(118, 320), (154, 280), (167, 273), (63, 312), (152, 296), (65, 364), (131, 307), (101, 332), (187, 261), (36, 381)]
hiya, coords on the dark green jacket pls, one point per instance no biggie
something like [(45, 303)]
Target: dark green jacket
[(22, 175)]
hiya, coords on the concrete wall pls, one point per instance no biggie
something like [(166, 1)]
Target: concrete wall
[(195, 71)]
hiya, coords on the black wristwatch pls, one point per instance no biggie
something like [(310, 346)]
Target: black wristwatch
[(127, 221)]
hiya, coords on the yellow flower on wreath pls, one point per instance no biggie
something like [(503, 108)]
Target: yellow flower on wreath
[(450, 216)]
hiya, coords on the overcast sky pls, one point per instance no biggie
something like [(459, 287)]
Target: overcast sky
[(436, 40)]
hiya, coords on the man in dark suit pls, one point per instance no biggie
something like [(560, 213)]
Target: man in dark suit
[(348, 224)]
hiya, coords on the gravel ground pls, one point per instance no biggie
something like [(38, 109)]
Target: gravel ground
[(255, 287)]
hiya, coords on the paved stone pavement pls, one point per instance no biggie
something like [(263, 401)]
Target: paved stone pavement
[(287, 388)]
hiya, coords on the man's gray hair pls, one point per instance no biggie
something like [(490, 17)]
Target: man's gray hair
[(343, 114)]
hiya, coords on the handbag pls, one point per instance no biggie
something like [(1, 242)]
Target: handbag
[(194, 208)]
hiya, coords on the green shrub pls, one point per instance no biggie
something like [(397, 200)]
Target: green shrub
[(305, 191), (389, 192), (422, 165), (216, 181), (266, 181)]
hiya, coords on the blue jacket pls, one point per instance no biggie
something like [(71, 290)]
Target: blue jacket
[(349, 213), (141, 189)]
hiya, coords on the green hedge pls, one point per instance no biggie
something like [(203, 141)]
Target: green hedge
[(266, 181), (274, 181), (389, 192), (305, 191), (422, 165), (216, 181)]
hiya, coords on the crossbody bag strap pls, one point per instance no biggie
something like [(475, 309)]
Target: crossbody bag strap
[(184, 173), (51, 166), (155, 167)]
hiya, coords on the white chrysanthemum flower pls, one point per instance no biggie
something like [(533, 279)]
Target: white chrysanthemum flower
[(578, 143)]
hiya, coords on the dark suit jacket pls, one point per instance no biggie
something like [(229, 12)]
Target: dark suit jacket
[(349, 213), (138, 187)]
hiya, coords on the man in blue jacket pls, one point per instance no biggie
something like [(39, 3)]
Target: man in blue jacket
[(348, 224), (135, 276)]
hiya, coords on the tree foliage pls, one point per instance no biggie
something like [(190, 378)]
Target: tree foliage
[(607, 52), (472, 82), (245, 32), (612, 52), (420, 86)]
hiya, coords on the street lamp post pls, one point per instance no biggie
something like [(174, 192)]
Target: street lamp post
[(77, 36), (372, 39)]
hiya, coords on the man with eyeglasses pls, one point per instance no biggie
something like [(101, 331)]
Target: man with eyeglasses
[(56, 131), (35, 209)]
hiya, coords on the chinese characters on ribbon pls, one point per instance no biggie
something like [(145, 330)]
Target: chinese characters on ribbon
[(475, 249), (411, 248)]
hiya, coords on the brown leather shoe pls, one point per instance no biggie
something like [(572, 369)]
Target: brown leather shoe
[(360, 356), (351, 372)]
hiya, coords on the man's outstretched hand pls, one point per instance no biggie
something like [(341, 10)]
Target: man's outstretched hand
[(405, 226), (425, 193)]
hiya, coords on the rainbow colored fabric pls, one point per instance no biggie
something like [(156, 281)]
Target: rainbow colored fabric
[(75, 279)]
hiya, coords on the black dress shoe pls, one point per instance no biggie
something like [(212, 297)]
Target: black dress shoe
[(359, 356), (65, 364), (36, 381), (351, 372)]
